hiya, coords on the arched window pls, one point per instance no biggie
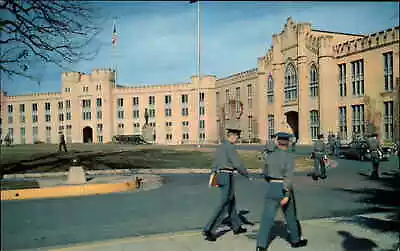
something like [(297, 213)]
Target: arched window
[(314, 90), (290, 87), (270, 90), (314, 124)]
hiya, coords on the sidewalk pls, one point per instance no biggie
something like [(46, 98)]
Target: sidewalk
[(322, 235)]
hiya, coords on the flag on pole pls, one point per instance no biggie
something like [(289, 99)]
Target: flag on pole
[(114, 35)]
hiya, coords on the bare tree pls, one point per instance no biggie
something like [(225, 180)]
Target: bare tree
[(35, 32)]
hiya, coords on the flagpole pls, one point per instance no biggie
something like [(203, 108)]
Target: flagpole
[(198, 72), (114, 51)]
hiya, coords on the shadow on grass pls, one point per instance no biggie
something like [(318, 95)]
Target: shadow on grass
[(382, 199)]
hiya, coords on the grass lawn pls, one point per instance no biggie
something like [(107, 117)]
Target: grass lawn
[(45, 158)]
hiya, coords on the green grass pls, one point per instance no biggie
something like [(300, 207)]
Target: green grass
[(12, 185)]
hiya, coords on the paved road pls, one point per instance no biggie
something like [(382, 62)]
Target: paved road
[(183, 203)]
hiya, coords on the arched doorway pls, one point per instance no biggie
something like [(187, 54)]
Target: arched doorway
[(292, 119), (87, 134)]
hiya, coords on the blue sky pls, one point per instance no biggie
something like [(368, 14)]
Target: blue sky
[(156, 40)]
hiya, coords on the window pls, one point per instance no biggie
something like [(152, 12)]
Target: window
[(99, 102), (343, 122), (35, 132), (290, 87), (227, 96), (168, 124), (22, 134), (168, 112), (185, 123), (357, 77), (358, 123), (152, 124), (99, 115), (22, 108), (185, 111), (120, 102), (168, 99), (135, 114), (135, 101), (152, 100), (388, 119), (86, 103), (271, 125), (202, 124), (342, 80), (120, 115), (314, 124), (69, 133), (98, 87), (250, 96), (34, 107), (202, 136), (152, 113), (388, 71), (185, 136), (270, 90), (10, 108), (168, 136), (87, 115), (47, 107), (99, 138), (136, 126), (34, 118), (48, 134), (60, 128), (22, 118), (67, 89), (61, 117), (85, 89), (185, 99), (68, 115), (202, 110), (99, 128), (237, 99), (67, 104), (314, 81), (60, 105), (47, 117), (201, 96)]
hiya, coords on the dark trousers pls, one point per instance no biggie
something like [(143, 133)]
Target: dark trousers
[(375, 164), (271, 204), (226, 206), (319, 166), (62, 145)]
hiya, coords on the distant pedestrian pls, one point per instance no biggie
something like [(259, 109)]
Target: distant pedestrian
[(7, 139), (337, 145), (319, 155), (62, 144), (373, 146), (224, 165), (278, 172)]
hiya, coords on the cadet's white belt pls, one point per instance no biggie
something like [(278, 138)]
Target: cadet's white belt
[(276, 181)]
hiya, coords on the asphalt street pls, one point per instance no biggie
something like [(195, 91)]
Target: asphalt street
[(184, 202)]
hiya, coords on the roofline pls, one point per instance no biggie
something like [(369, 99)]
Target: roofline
[(341, 33)]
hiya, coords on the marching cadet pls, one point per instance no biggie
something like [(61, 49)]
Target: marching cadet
[(373, 146), (62, 143), (278, 172), (319, 153), (225, 163)]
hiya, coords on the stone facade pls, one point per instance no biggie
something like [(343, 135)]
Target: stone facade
[(308, 82)]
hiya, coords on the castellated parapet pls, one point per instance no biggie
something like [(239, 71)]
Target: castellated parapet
[(105, 74), (238, 77), (371, 41)]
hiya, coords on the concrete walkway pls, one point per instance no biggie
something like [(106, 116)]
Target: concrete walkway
[(333, 234)]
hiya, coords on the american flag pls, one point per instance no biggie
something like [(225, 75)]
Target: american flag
[(114, 35)]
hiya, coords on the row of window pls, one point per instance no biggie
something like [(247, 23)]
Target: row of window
[(168, 100)]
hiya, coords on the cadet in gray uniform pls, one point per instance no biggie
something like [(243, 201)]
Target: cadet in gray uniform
[(278, 172), (226, 161), (373, 146), (319, 152)]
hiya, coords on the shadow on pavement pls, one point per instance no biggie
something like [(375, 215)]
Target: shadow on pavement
[(352, 243), (384, 198)]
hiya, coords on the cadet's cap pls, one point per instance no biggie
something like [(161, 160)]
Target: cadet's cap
[(283, 136), (237, 131)]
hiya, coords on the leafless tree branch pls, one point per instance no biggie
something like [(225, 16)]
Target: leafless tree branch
[(36, 32)]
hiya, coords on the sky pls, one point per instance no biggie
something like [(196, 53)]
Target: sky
[(156, 40)]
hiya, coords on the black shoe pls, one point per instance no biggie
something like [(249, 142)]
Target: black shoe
[(261, 249), (240, 231), (300, 243), (208, 236), (323, 176), (314, 177)]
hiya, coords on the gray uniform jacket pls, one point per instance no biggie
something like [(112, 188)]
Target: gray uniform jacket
[(319, 148), (226, 156), (280, 165), (373, 144), (270, 146)]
